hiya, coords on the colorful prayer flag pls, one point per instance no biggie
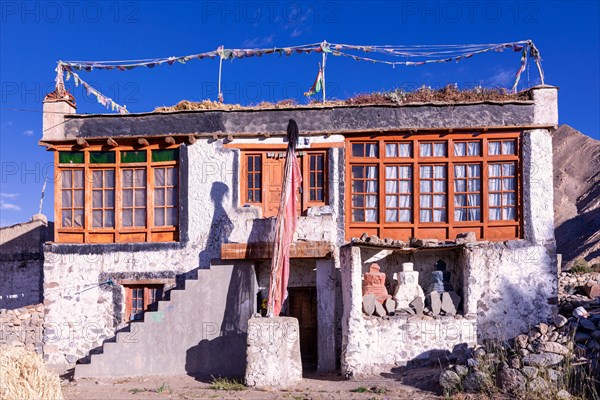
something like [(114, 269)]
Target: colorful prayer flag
[(317, 86)]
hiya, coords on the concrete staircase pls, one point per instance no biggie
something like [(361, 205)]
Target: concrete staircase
[(201, 330)]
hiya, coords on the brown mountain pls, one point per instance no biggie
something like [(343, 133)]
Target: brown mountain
[(576, 195)]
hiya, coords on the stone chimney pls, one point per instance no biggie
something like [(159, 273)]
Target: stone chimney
[(545, 109), (56, 105)]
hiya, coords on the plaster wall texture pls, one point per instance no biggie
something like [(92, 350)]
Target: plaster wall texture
[(273, 354), (510, 286), (545, 108), (538, 208), (81, 314)]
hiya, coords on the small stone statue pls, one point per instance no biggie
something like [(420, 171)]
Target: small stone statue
[(407, 288), (440, 279), (374, 283), (441, 296)]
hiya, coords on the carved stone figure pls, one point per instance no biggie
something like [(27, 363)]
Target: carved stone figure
[(407, 288), (374, 283)]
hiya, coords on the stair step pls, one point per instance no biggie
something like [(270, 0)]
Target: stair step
[(110, 348), (119, 354), (165, 305), (131, 336)]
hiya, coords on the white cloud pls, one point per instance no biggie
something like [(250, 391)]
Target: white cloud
[(9, 206), (9, 195), (502, 78), (28, 132), (258, 41)]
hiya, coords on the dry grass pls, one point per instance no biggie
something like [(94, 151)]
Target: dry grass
[(448, 94), (24, 376)]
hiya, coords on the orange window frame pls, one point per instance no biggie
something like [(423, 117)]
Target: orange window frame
[(253, 172), (140, 298), (304, 159), (310, 172), (119, 233), (70, 192), (448, 229)]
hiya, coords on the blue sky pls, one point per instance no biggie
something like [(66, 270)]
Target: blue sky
[(34, 35)]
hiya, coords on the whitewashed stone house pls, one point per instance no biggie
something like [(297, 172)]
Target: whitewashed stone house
[(164, 228)]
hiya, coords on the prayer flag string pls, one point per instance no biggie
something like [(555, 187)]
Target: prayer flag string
[(419, 55)]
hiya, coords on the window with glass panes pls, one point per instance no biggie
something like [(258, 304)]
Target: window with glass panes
[(316, 177), (433, 185), (262, 186), (140, 298), (125, 194), (254, 176)]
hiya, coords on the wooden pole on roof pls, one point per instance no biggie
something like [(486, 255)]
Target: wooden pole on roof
[(323, 71)]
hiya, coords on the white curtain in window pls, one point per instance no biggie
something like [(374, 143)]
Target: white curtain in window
[(460, 149), (404, 149), (495, 214), (474, 170), (425, 150), (508, 213), (495, 169), (371, 212), (473, 148), (475, 210), (439, 171), (494, 148), (508, 147), (460, 213), (439, 215), (439, 149), (391, 150), (508, 169)]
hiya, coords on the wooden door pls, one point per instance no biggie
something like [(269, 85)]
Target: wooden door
[(273, 180), (302, 305)]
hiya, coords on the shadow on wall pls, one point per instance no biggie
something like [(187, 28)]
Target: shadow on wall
[(424, 371), (516, 308), (22, 263), (220, 226), (223, 352)]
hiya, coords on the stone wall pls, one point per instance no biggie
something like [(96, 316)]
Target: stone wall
[(577, 280), (21, 262), (506, 288), (82, 312), (373, 345), (509, 286), (23, 327)]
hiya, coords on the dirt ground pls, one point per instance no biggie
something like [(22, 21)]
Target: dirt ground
[(419, 383)]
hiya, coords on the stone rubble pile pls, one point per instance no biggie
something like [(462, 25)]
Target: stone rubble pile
[(23, 327), (374, 240), (575, 290), (538, 362)]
